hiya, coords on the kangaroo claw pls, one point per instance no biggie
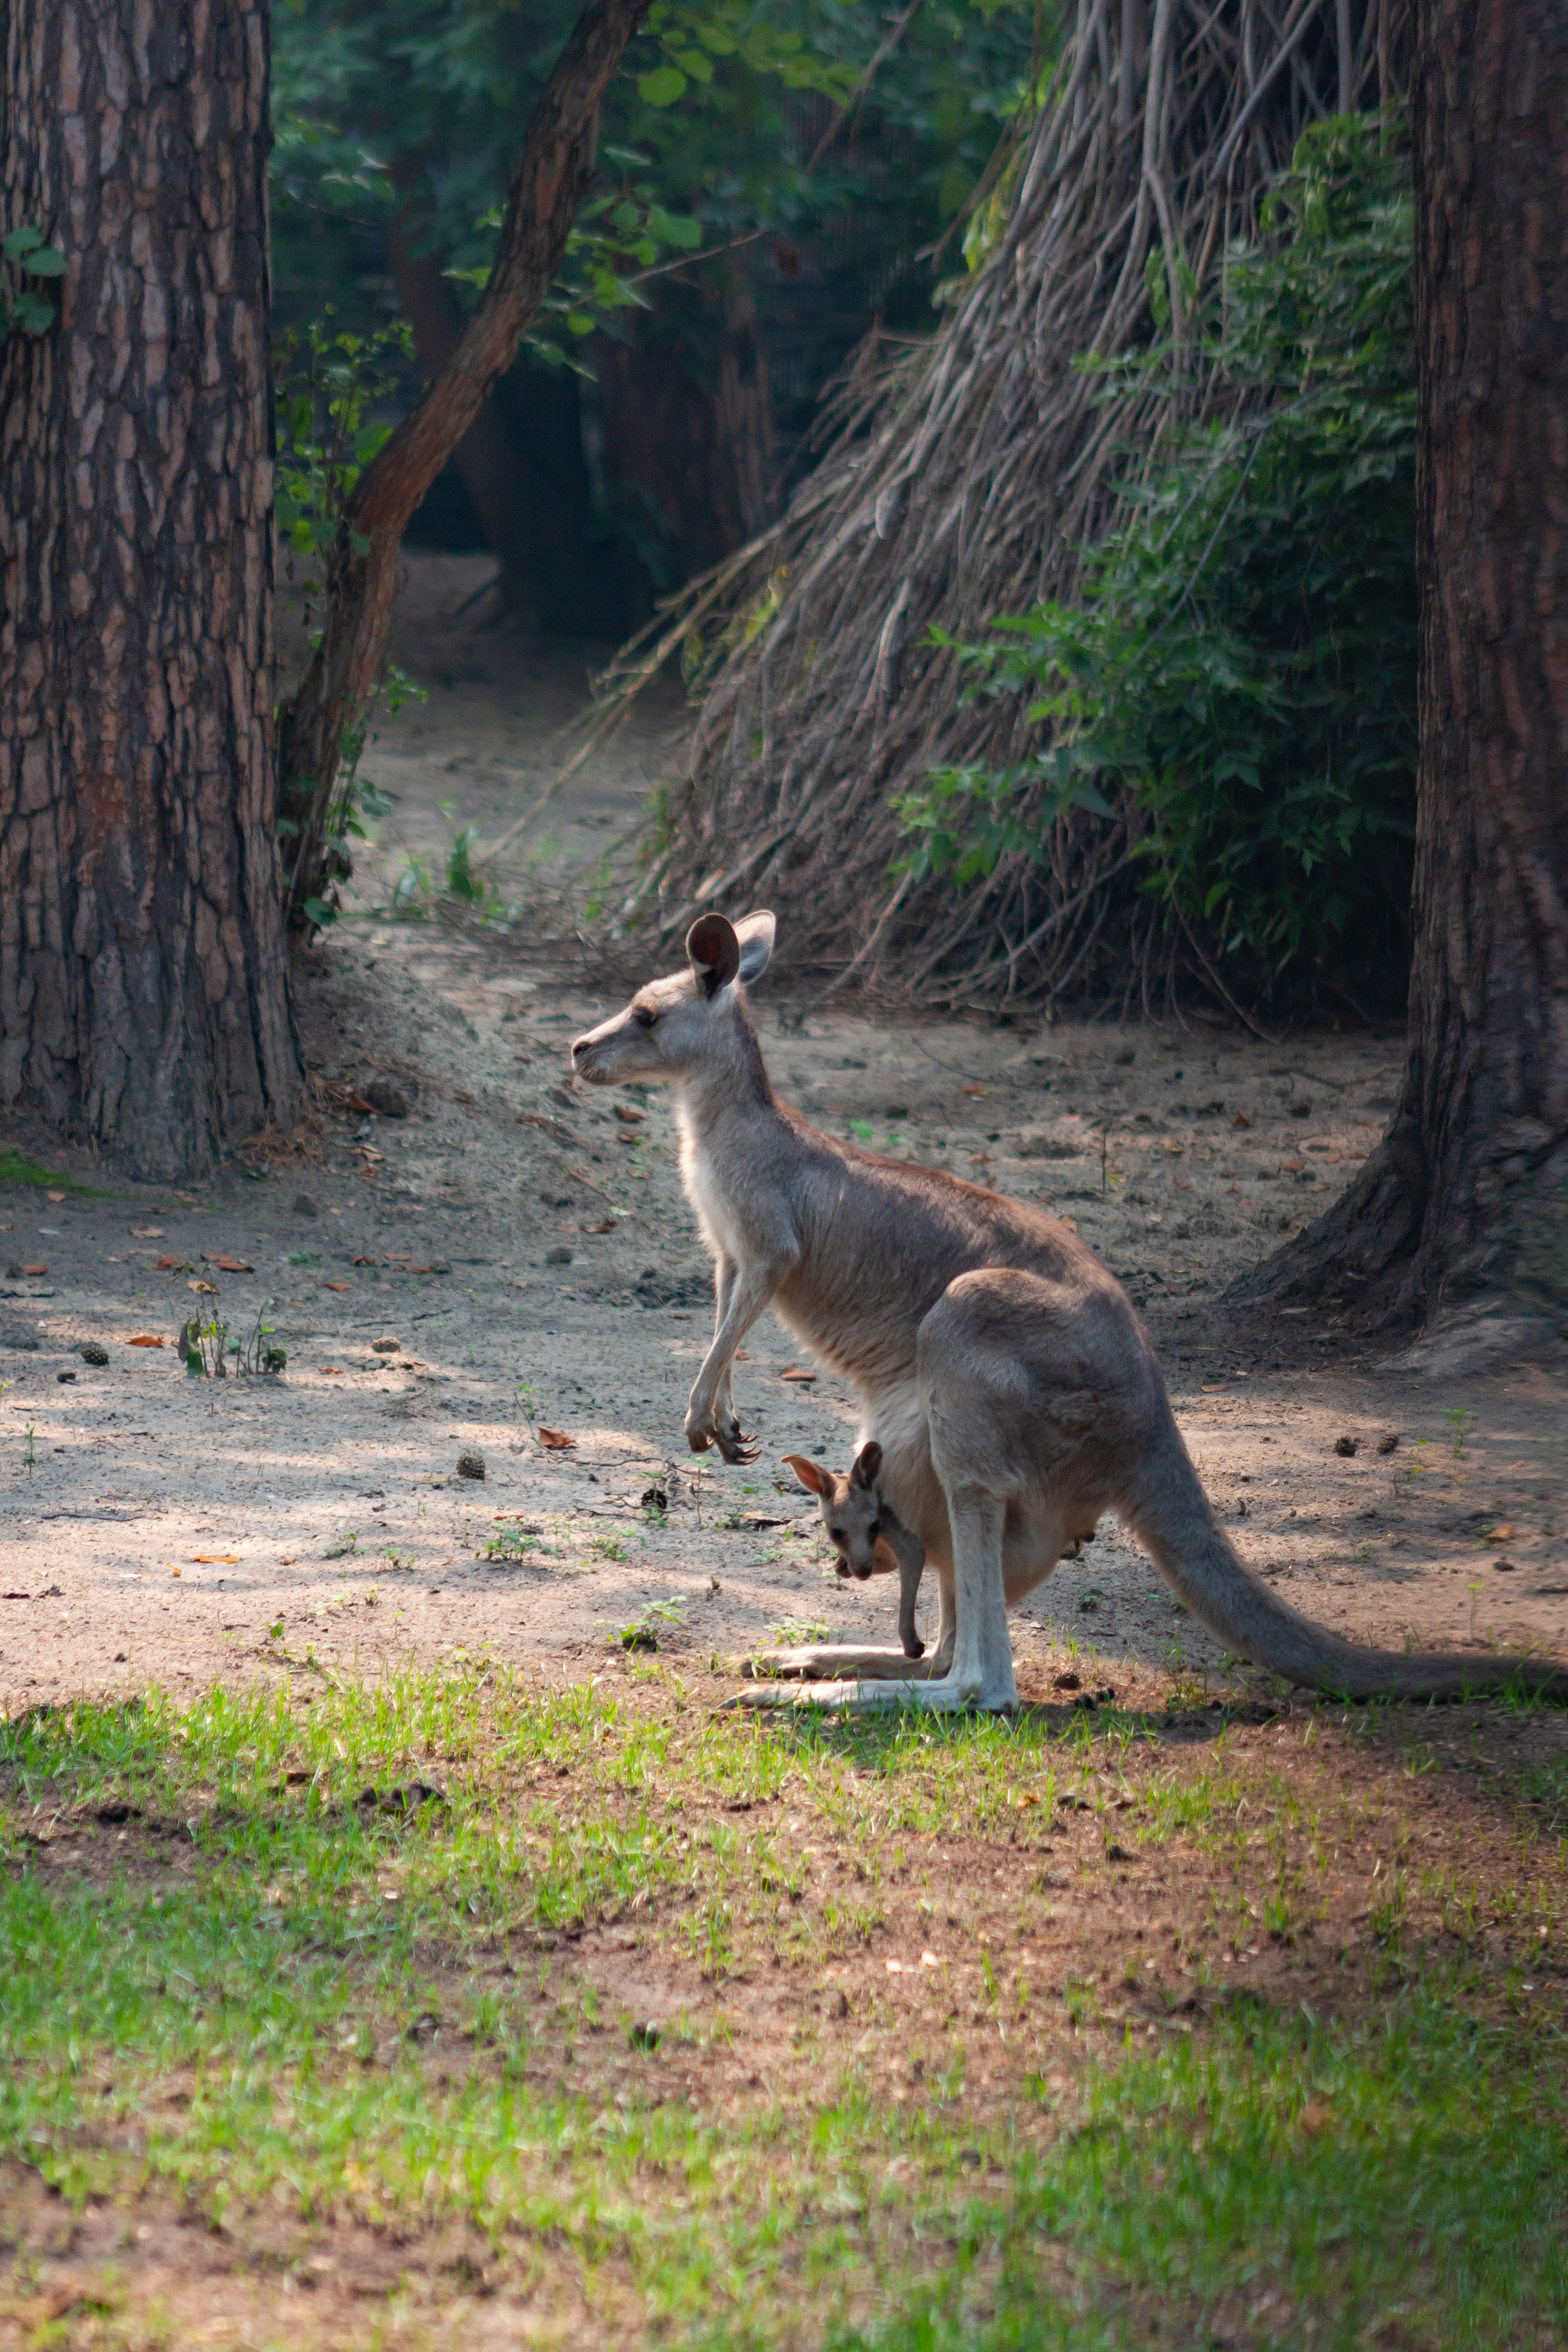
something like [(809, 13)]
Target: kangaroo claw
[(737, 1445)]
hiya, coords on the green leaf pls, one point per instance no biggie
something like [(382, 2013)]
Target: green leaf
[(662, 86)]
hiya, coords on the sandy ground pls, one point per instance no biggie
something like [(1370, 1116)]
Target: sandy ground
[(525, 1245)]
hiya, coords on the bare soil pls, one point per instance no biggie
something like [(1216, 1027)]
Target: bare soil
[(526, 1245)]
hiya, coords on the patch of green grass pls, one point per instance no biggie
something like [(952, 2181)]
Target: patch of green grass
[(16, 1169), (339, 1980), (1287, 2183)]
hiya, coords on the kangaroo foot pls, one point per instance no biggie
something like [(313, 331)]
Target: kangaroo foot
[(835, 1661), (944, 1697)]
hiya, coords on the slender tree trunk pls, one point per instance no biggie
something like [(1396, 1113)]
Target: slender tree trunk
[(335, 694), (1470, 1191), (143, 999)]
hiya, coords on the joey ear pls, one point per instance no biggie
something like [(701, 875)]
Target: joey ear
[(809, 1473), (714, 952), (867, 1463), (755, 933)]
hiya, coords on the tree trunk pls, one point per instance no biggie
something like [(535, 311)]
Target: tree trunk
[(530, 494), (336, 692), (686, 428), (144, 1000), (1470, 1191)]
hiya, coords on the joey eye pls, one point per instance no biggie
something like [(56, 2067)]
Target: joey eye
[(643, 1017)]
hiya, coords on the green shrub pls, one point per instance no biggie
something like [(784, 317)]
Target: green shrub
[(1240, 667)]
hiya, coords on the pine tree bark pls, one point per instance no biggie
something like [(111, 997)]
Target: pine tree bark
[(1468, 1193), (144, 1000)]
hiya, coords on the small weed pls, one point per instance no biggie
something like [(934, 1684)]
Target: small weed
[(607, 1548), (344, 1544), (304, 1257), (793, 1633), (508, 1539), (643, 1632), (1460, 1420)]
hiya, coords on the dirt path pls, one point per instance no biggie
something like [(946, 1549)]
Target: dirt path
[(525, 1246)]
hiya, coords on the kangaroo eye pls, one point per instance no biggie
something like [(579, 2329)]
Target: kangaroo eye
[(875, 1528), (643, 1017), (836, 1534)]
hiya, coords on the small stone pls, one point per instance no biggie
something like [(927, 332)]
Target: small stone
[(559, 1256), (1068, 1682), (389, 1100), (92, 1353), (1388, 1442), (64, 1377), (303, 1206), (471, 1463), (387, 1347), (1347, 1446)]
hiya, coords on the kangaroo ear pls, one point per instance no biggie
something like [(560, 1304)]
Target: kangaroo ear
[(714, 952), (755, 933), (808, 1473), (867, 1463)]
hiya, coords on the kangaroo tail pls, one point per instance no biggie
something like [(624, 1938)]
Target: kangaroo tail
[(1170, 1513)]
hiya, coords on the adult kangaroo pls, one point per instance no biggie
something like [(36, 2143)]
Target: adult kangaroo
[(1003, 1372)]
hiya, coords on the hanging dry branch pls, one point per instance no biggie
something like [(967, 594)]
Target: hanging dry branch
[(965, 480)]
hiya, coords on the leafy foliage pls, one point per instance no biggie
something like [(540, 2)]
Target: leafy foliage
[(406, 110), (26, 309), (1241, 666)]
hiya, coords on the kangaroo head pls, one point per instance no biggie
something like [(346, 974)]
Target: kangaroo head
[(674, 1027), (850, 1511)]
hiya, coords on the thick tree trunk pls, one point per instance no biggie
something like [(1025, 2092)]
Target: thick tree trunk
[(337, 690), (144, 999), (686, 425), (1470, 1191), (530, 496)]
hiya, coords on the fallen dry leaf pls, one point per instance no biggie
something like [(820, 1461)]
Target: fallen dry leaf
[(166, 1264), (57, 1196), (207, 1289), (35, 1269), (607, 1225), (147, 1233), (1241, 1119), (1499, 1535), (357, 1102), (1316, 2118), (364, 1261), (976, 1090), (1169, 1146), (229, 1264), (215, 1558), (556, 1440), (794, 1372), (421, 1269), (173, 1569), (632, 1117), (336, 1286), (144, 1339), (1183, 1183), (334, 1368), (1291, 1167)]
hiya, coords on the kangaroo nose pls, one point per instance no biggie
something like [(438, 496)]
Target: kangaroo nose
[(579, 1046)]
